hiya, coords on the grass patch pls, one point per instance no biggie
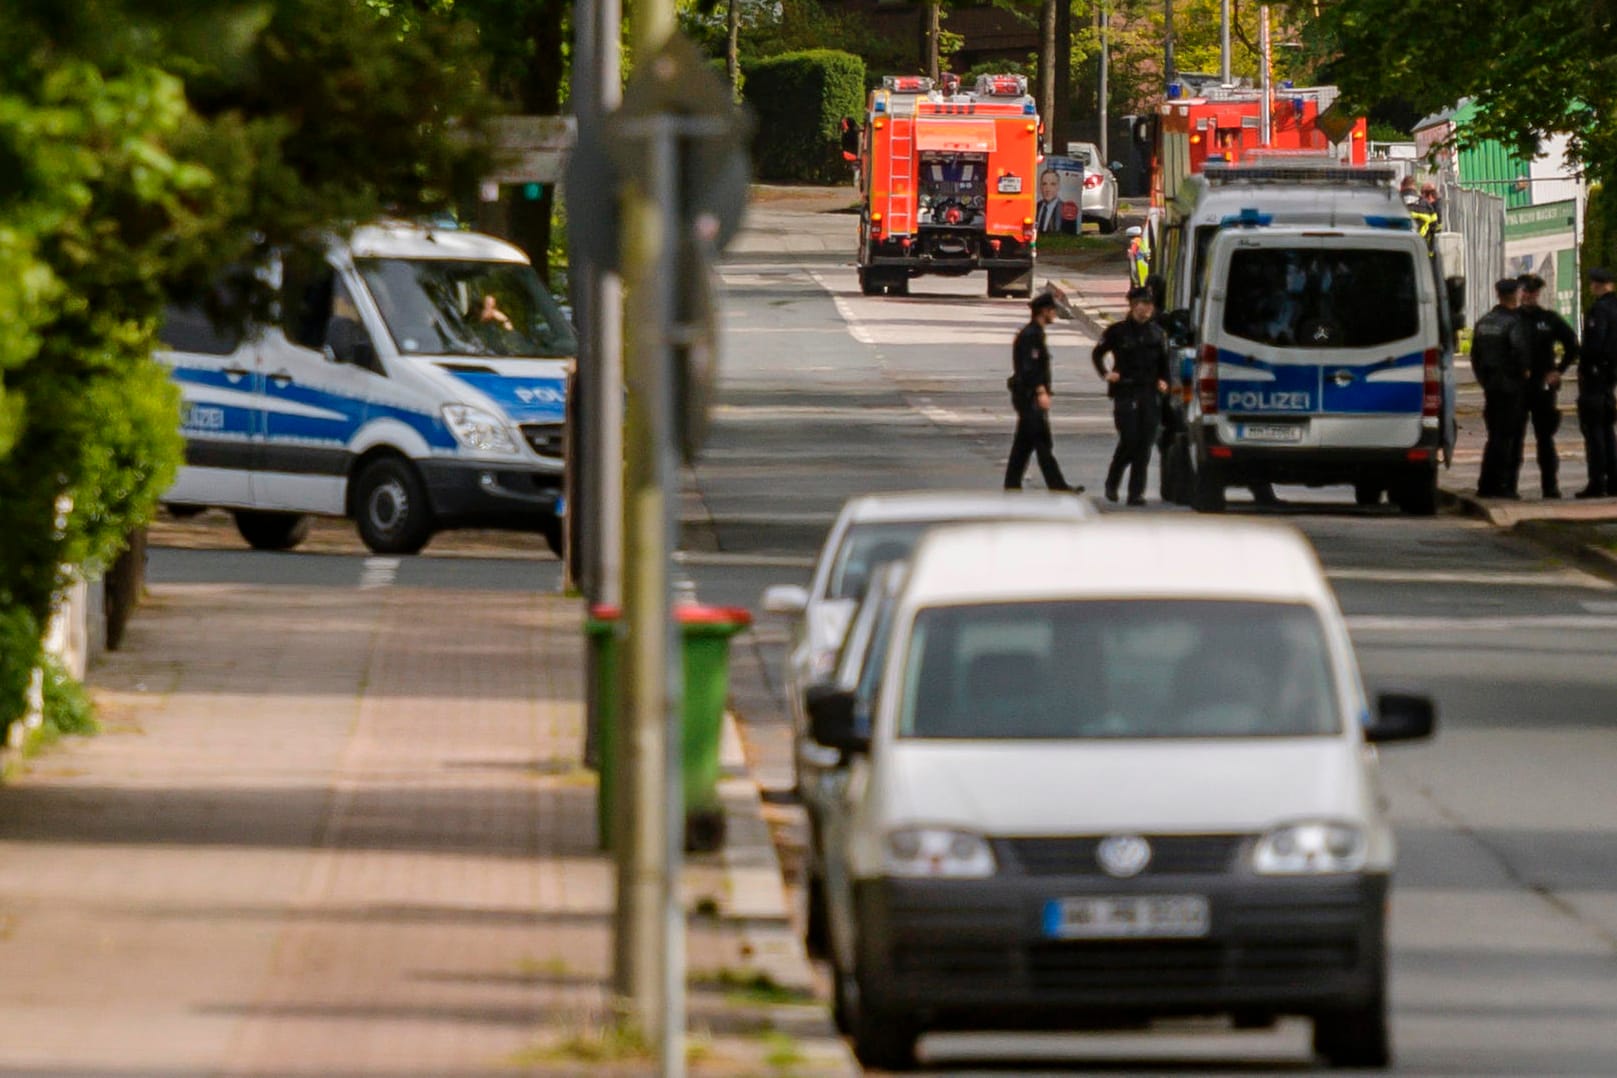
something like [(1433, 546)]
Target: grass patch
[(781, 1051), (619, 1041), (755, 988), (1063, 243), (68, 708)]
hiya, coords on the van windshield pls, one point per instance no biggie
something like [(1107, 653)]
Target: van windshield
[(1316, 297), (463, 308), (1115, 669)]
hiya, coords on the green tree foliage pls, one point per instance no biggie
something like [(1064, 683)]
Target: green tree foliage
[(1533, 70), (800, 99), (143, 148)]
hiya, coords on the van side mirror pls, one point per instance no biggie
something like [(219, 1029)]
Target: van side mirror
[(1117, 166), (1134, 232), (1401, 717), (1456, 290), (833, 719), (1179, 327), (788, 599)]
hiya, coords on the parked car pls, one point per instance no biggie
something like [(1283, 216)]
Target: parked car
[(1112, 773), (1100, 186)]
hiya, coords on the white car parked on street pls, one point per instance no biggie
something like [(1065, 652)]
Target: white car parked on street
[(1107, 774), (1100, 186)]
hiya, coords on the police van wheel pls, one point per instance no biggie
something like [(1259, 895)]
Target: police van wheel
[(390, 507), (552, 530), (1366, 494), (272, 531), (1416, 493), (1208, 495)]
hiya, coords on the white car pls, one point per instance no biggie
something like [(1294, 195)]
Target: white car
[(870, 531), (1100, 186), (1112, 773)]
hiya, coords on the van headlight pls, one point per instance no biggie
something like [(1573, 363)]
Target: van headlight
[(937, 853), (476, 429), (1308, 849)]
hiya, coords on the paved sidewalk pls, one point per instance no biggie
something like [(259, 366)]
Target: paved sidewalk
[(342, 832), (1098, 296)]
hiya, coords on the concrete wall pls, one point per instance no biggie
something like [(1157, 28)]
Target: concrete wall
[(77, 634)]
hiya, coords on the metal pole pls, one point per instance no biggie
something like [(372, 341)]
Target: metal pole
[(1224, 44), (1167, 46), (1265, 114), (1105, 79)]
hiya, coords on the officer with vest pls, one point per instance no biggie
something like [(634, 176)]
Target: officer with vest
[(1030, 394), (1546, 329), (1502, 358), (1136, 382), (1427, 214), (1597, 379)]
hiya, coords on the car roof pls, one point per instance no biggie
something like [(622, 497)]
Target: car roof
[(406, 239), (917, 506), (1116, 558)]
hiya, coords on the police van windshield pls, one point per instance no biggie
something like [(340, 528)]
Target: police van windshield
[(1317, 297), (463, 308), (1110, 669)]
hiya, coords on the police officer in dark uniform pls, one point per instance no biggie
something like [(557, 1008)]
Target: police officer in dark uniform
[(1597, 377), (1545, 329), (1136, 382), (1030, 394), (1502, 357)]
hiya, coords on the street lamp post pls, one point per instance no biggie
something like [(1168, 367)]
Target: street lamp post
[(1167, 44)]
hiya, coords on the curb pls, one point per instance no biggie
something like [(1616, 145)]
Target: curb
[(1567, 538)]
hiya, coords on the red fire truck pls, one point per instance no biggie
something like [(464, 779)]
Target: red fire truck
[(949, 181)]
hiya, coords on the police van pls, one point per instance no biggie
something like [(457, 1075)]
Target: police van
[(1325, 356), (413, 379)]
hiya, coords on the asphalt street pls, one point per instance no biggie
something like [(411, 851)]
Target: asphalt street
[(1504, 918)]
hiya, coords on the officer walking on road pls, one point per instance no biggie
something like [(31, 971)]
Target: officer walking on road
[(1030, 394), (1136, 382), (1545, 329), (1597, 376), (1501, 357)]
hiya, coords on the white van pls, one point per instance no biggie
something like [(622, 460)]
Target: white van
[(1114, 772), (1325, 356), (413, 380)]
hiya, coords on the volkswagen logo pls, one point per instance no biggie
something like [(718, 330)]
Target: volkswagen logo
[(1123, 856), (1343, 378)]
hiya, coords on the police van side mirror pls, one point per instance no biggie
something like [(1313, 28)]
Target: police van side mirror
[(1456, 290), (1178, 325)]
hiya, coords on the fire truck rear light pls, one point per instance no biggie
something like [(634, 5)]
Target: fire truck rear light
[(1431, 403), (1207, 380), (993, 245), (1032, 127), (904, 243), (1027, 222)]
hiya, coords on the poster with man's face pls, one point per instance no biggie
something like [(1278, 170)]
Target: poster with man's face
[(1061, 195)]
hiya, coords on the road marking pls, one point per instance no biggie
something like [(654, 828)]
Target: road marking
[(1599, 606), (1507, 623), (1552, 578), (378, 573), (720, 559)]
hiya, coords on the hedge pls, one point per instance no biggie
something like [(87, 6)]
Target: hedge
[(800, 100), (1599, 237)]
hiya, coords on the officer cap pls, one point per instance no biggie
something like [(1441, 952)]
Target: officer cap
[(1602, 275), (1508, 286), (1141, 294), (1042, 302), (1531, 282)]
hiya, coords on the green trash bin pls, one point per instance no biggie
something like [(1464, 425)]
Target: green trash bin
[(705, 633)]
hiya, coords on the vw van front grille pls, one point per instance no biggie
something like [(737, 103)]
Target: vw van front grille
[(1171, 855)]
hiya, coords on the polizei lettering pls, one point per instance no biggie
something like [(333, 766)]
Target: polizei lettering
[(1272, 400)]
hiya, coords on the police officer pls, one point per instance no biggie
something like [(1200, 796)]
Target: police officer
[(1597, 375), (1501, 356), (1545, 329), (1030, 394), (1136, 382)]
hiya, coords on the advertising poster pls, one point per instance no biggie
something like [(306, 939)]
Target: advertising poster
[(1061, 195), (1543, 240)]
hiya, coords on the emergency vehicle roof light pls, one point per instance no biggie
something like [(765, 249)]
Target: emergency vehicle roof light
[(1397, 224), (1249, 217), (1001, 85), (1300, 172), (1029, 108), (907, 84)]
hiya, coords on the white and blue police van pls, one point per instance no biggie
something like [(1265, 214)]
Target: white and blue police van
[(413, 379), (1311, 412)]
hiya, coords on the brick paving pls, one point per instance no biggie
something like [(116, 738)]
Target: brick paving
[(343, 832)]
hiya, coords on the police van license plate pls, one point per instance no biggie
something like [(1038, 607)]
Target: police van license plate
[(1271, 432), (1127, 917)]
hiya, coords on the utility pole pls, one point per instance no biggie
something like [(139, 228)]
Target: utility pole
[(1168, 72), (1224, 45), (1105, 91), (1265, 109)]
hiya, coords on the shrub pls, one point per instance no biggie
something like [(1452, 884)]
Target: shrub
[(800, 99)]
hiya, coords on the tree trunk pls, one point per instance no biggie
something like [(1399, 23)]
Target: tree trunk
[(1047, 66), (1060, 122), (934, 16), (732, 47)]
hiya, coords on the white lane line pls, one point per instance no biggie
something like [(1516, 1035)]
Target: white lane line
[(720, 559), (1599, 606), (1519, 623), (1550, 578), (378, 573)]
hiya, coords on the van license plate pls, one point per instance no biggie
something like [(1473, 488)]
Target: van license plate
[(1271, 432), (1127, 917)]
